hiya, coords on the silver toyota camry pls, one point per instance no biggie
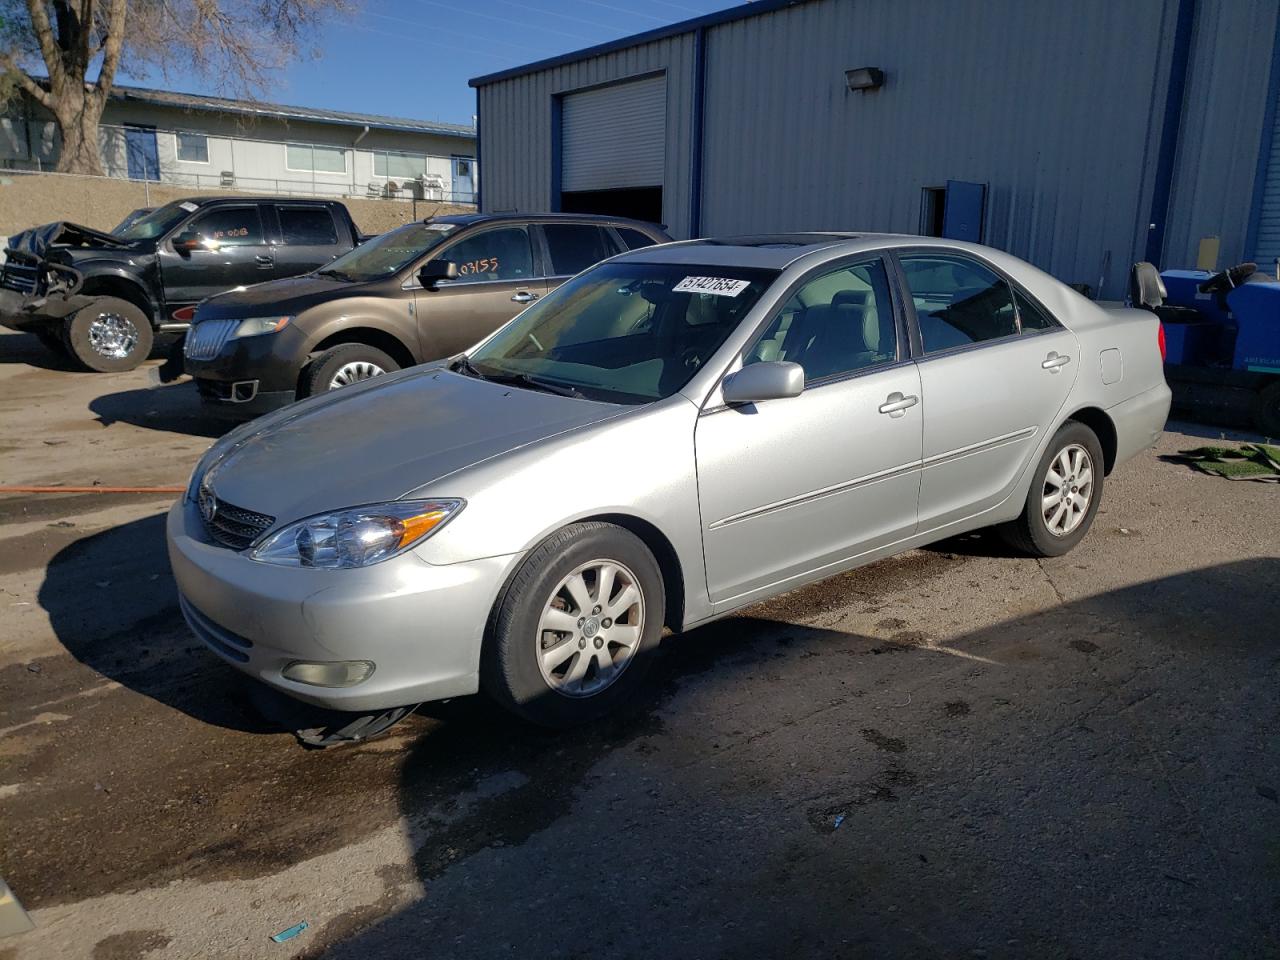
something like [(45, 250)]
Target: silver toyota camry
[(674, 434)]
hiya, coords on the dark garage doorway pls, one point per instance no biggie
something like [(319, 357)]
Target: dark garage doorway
[(638, 203)]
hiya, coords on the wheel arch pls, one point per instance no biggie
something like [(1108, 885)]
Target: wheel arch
[(1104, 429), (370, 336), (663, 552), (123, 287)]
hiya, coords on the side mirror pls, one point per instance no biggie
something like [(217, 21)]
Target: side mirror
[(188, 242), (1146, 288), (756, 382), (433, 271)]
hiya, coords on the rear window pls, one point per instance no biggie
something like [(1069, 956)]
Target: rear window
[(575, 246), (634, 239), (307, 226)]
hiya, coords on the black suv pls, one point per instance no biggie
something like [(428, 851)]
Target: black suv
[(101, 297)]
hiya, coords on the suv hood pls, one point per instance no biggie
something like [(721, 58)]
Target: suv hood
[(289, 296), (378, 442), (35, 243)]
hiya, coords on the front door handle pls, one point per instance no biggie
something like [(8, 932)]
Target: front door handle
[(1055, 361), (896, 405), (264, 262), (524, 296)]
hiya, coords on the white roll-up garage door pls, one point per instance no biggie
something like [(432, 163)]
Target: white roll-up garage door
[(1267, 248), (614, 137)]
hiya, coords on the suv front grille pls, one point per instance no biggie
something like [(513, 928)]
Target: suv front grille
[(234, 526), (19, 277), (207, 338)]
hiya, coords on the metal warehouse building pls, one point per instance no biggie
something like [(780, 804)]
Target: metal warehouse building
[(1079, 134)]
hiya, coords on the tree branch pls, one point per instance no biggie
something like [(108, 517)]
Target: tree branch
[(113, 44), (33, 89), (48, 45)]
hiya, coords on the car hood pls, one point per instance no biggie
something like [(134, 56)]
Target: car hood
[(36, 241), (289, 296), (377, 442)]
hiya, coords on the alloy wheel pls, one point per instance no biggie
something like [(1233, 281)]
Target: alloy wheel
[(112, 336), (1068, 490)]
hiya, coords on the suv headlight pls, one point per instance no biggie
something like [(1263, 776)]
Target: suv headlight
[(255, 326), (356, 537)]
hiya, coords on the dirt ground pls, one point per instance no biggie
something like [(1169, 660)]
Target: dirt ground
[(27, 200), (956, 753)]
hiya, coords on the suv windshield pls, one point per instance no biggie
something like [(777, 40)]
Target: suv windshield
[(624, 332), (389, 253), (158, 222)]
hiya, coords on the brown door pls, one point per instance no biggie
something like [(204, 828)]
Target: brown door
[(497, 278)]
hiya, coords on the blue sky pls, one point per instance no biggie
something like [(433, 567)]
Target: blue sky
[(412, 58)]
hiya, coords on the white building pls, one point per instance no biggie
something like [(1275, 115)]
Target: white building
[(246, 145)]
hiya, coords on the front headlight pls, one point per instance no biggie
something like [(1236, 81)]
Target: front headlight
[(356, 537), (255, 326)]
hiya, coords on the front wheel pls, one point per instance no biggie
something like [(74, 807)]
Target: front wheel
[(577, 627), (343, 365), (110, 335), (1064, 495)]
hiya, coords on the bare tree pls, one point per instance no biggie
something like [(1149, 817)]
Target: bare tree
[(236, 43)]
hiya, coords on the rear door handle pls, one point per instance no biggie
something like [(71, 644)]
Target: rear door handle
[(524, 296), (264, 262), (896, 405), (1055, 361)]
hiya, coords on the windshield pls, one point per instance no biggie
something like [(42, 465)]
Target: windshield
[(389, 253), (158, 222), (625, 332)]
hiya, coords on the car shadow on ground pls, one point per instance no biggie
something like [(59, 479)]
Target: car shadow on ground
[(172, 408), (26, 348), (792, 790)]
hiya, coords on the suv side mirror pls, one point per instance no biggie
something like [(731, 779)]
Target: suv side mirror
[(1146, 288), (188, 241), (770, 380), (433, 271)]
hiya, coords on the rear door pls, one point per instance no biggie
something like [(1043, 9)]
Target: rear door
[(498, 276), (233, 252), (993, 379), (307, 238), (571, 248)]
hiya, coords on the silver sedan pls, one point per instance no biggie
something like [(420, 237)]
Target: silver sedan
[(672, 435)]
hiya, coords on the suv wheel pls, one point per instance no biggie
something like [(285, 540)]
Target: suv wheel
[(109, 335), (574, 634), (1064, 496), (343, 365)]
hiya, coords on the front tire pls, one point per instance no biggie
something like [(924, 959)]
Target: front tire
[(1064, 495), (575, 632), (343, 365), (52, 340), (110, 335)]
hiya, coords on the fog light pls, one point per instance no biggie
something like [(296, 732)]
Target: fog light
[(336, 673)]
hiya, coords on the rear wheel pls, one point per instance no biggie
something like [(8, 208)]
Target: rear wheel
[(343, 365), (1064, 495), (575, 632), (109, 335), (1266, 410)]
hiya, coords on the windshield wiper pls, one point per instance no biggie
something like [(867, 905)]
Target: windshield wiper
[(336, 274), (535, 383), (464, 366)]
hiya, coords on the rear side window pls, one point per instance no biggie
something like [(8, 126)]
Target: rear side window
[(502, 254), (575, 246), (1032, 317), (230, 226), (958, 301), (307, 226), (634, 239)]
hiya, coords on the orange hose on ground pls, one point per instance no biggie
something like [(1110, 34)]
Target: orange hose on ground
[(4, 489)]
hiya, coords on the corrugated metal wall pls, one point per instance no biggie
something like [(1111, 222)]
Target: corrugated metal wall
[(1052, 105), (1266, 250), (516, 117), (1226, 100)]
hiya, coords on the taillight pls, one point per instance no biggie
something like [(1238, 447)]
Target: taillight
[(1160, 340)]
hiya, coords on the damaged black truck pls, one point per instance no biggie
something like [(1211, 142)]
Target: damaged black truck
[(102, 298)]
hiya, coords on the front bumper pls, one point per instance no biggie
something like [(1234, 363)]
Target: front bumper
[(251, 375), (421, 625)]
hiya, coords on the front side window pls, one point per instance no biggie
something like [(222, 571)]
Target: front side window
[(315, 159), (193, 147), (626, 332), (230, 226), (958, 301), (389, 253), (575, 246), (836, 324), (307, 226), (503, 254)]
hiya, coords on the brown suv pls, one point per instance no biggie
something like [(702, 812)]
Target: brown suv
[(424, 291)]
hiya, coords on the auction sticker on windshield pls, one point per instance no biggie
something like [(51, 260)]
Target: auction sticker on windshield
[(718, 286)]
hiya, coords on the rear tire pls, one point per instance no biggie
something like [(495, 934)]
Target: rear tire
[(343, 365), (574, 634), (110, 335), (1266, 411), (1054, 519)]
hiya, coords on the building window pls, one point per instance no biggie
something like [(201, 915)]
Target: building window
[(400, 166), (315, 159), (193, 147)]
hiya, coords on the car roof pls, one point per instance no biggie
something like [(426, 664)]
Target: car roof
[(466, 219), (778, 251), (256, 198)]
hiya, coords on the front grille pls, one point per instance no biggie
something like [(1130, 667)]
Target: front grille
[(207, 338), (234, 526), (16, 276)]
